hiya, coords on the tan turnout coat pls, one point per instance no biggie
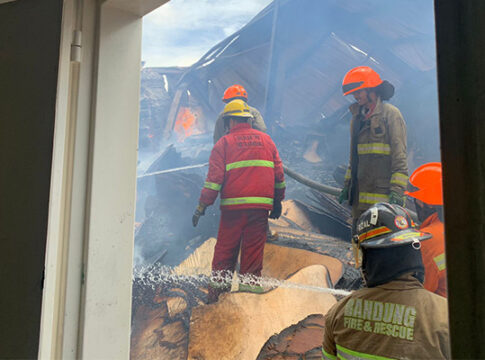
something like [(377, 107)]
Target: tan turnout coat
[(382, 158), (396, 320)]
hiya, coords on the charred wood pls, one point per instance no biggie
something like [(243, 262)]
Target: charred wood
[(327, 205), (300, 341)]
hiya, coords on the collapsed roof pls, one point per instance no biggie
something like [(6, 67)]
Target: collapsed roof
[(291, 59)]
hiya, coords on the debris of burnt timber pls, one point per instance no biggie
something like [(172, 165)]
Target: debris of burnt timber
[(300, 341)]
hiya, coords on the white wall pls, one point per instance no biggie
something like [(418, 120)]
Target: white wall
[(86, 307), (109, 253)]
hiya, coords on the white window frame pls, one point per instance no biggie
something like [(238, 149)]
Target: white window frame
[(86, 306)]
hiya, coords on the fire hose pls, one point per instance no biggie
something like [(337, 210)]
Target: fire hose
[(310, 183), (291, 173), (166, 171)]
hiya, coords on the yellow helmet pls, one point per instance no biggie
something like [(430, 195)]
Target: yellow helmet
[(237, 108)]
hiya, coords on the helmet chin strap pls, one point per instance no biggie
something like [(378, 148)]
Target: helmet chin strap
[(364, 277), (369, 100), (423, 211)]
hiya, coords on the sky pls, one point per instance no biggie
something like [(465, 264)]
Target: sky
[(181, 31)]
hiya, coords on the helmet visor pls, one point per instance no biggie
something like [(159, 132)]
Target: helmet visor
[(348, 88), (404, 237)]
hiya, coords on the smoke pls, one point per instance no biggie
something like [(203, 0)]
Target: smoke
[(293, 75)]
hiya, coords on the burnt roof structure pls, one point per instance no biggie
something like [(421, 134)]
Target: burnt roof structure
[(291, 59)]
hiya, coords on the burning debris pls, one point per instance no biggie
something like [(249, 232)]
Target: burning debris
[(164, 298), (168, 289), (309, 122), (186, 122), (169, 232)]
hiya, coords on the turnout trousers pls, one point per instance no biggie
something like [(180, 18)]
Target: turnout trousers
[(238, 229)]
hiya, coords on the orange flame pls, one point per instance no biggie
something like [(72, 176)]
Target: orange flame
[(184, 125)]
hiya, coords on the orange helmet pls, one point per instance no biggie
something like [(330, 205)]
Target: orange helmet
[(235, 92), (427, 178), (361, 77)]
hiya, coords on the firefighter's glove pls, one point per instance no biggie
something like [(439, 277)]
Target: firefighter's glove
[(395, 198), (276, 212), (199, 211), (344, 195)]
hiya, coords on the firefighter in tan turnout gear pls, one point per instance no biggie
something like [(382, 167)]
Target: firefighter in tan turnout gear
[(232, 93), (394, 316), (378, 170)]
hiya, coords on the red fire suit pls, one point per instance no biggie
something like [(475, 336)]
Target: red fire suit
[(246, 169), (433, 252)]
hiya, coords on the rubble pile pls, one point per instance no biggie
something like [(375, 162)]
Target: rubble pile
[(161, 318), (308, 119), (300, 341), (239, 324), (170, 311)]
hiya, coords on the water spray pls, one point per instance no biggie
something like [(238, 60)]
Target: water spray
[(156, 275), (166, 171)]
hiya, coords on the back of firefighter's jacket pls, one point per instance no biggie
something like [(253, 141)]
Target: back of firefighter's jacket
[(396, 320), (246, 169)]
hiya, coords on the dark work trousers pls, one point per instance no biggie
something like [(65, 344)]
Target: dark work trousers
[(238, 229)]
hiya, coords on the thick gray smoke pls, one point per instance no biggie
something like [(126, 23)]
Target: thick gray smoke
[(291, 59)]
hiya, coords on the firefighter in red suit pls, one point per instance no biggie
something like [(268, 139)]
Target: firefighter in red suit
[(246, 169)]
